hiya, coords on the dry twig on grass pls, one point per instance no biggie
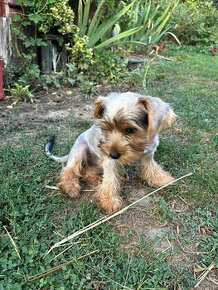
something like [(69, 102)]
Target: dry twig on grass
[(13, 243), (213, 281), (56, 188), (108, 217), (204, 274), (197, 270), (51, 187), (44, 273)]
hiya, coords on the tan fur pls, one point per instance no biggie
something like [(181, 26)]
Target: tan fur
[(126, 129), (107, 193), (153, 174), (157, 119), (69, 182), (129, 146), (114, 141), (98, 108), (92, 175), (171, 118)]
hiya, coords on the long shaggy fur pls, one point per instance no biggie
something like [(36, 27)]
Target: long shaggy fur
[(126, 129)]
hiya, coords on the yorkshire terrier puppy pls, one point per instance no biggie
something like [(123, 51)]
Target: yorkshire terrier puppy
[(126, 129)]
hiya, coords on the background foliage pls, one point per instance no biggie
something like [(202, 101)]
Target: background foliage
[(94, 56), (195, 22)]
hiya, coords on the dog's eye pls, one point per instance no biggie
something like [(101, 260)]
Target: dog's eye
[(101, 111), (130, 130)]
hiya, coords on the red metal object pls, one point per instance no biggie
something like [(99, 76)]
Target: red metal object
[(8, 8), (1, 81)]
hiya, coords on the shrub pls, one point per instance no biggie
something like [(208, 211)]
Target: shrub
[(195, 22), (154, 19), (88, 67), (21, 93)]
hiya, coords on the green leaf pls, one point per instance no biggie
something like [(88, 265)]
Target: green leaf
[(16, 17), (36, 18), (103, 28), (28, 3), (80, 14), (26, 22), (40, 42), (85, 16), (15, 31), (95, 20), (119, 36)]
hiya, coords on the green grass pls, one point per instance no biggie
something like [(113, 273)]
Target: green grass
[(37, 217)]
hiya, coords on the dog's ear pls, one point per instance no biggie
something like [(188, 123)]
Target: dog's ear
[(160, 115), (99, 107)]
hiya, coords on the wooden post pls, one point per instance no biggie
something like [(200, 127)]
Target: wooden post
[(5, 39), (1, 81)]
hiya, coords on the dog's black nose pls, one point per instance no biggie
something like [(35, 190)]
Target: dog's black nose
[(114, 155)]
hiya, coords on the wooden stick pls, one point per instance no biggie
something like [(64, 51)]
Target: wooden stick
[(56, 188), (169, 247), (212, 280), (44, 273), (13, 243), (166, 58), (204, 275), (197, 270), (108, 217), (51, 187)]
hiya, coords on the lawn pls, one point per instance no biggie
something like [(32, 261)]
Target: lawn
[(129, 256)]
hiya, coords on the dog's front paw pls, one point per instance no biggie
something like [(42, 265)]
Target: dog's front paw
[(155, 176), (72, 189), (108, 201), (69, 182), (161, 180)]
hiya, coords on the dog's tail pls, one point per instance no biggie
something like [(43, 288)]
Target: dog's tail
[(48, 148)]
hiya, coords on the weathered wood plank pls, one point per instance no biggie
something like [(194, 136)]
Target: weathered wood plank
[(5, 39)]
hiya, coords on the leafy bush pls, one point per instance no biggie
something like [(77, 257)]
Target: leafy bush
[(82, 34), (195, 22), (21, 93), (153, 19), (88, 67), (215, 3), (97, 28)]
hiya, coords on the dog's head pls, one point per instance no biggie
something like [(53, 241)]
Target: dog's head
[(129, 122)]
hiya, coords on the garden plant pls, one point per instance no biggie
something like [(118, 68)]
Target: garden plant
[(168, 241)]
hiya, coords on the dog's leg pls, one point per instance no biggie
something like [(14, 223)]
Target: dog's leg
[(92, 175), (69, 179), (107, 194), (152, 173)]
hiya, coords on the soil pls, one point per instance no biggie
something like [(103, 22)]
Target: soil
[(56, 104)]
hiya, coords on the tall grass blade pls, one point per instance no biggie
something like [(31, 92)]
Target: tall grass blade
[(119, 36), (147, 11), (175, 37), (85, 18), (162, 25), (155, 38), (80, 14), (95, 20), (162, 16), (104, 27)]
